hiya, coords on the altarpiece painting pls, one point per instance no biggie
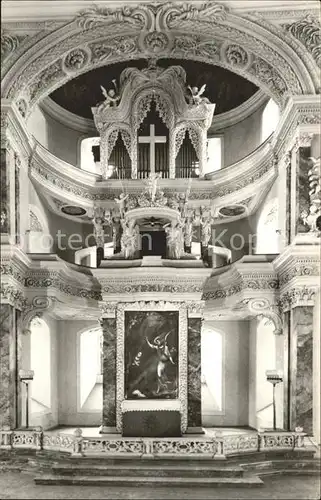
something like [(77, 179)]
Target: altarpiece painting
[(151, 354)]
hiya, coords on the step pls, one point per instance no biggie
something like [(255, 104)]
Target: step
[(290, 472), (148, 470), (296, 465), (247, 482)]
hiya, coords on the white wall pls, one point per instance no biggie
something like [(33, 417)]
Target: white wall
[(70, 412), (235, 374), (242, 138), (262, 357), (47, 417), (62, 141), (268, 225)]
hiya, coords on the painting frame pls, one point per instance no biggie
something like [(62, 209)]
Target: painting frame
[(151, 306)]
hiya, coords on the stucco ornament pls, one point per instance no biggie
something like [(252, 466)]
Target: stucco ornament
[(308, 31), (156, 41), (236, 55), (9, 43), (76, 59), (263, 308), (166, 29)]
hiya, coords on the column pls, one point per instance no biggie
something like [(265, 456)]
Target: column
[(9, 385), (194, 401), (301, 358), (109, 374)]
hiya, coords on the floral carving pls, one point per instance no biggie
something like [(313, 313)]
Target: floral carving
[(195, 45), (54, 280), (76, 59), (22, 107), (9, 43), (299, 296), (236, 55), (116, 46), (156, 41), (96, 15), (208, 12), (46, 78), (266, 74), (14, 296), (308, 31)]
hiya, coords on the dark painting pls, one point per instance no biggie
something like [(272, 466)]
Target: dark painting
[(151, 355)]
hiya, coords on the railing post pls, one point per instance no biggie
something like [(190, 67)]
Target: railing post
[(148, 448), (6, 438), (38, 438), (78, 443)]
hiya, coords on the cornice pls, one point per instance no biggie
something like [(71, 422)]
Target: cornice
[(67, 118)]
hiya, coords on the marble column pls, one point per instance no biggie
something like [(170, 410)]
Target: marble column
[(4, 198), (109, 375), (8, 366), (303, 166), (301, 348), (194, 401), (17, 199)]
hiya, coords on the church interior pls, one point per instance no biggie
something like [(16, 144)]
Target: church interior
[(160, 241)]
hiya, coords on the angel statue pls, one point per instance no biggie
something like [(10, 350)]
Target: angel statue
[(111, 96), (196, 95)]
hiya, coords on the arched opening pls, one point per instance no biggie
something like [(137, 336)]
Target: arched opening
[(90, 370), (40, 363), (212, 375)]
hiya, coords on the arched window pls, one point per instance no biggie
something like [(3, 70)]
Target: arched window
[(90, 370), (90, 155), (40, 363), (267, 236), (270, 119), (212, 372)]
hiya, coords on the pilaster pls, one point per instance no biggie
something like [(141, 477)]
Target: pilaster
[(108, 323)]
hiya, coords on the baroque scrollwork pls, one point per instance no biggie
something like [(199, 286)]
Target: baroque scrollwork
[(308, 31), (263, 308), (9, 43)]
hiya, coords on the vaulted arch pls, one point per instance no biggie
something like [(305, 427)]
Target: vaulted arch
[(268, 56)]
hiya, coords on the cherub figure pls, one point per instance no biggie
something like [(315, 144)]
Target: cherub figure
[(196, 94), (152, 185), (121, 203), (111, 96)]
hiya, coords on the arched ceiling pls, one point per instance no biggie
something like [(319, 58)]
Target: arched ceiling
[(228, 90), (281, 60)]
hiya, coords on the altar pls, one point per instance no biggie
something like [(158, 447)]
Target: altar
[(161, 418)]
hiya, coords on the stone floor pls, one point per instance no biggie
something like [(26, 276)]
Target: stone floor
[(21, 485)]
